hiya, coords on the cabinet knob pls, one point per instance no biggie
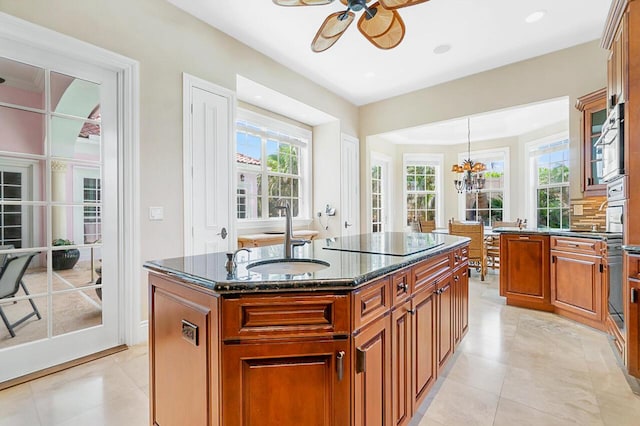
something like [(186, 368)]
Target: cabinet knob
[(411, 311)]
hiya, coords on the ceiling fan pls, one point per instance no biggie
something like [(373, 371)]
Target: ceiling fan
[(380, 23)]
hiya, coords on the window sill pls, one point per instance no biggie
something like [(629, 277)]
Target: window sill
[(248, 226)]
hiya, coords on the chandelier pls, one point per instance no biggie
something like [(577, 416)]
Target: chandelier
[(471, 179)]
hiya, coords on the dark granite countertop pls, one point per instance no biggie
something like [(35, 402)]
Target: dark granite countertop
[(631, 249), (595, 235), (348, 268)]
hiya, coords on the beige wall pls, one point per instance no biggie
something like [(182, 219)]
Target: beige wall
[(168, 42), (571, 72)]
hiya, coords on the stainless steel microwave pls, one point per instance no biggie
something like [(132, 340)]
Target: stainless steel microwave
[(611, 142)]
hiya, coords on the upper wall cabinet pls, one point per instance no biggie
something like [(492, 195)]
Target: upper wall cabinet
[(617, 65), (594, 113)]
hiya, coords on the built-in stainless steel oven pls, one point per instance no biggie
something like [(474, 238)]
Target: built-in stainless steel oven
[(616, 199), (616, 196), (611, 142)]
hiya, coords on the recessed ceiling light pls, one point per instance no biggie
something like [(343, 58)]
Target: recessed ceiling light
[(535, 16), (369, 74), (443, 48)]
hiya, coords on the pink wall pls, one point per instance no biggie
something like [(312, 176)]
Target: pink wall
[(21, 131)]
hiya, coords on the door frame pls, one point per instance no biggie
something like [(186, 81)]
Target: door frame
[(188, 83), (132, 328)]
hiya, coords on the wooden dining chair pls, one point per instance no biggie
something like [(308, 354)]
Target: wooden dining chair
[(477, 248), (427, 225)]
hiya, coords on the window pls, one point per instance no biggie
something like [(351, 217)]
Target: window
[(377, 197), (11, 215), (550, 175), (272, 161), (92, 219), (488, 204), (422, 176)]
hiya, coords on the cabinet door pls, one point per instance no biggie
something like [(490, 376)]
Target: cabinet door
[(445, 322), (524, 276), (180, 375), (286, 384), (402, 399), (576, 285), (633, 331), (372, 383), (594, 113), (424, 343), (461, 303)]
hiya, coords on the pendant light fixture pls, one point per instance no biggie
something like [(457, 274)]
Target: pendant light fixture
[(472, 179)]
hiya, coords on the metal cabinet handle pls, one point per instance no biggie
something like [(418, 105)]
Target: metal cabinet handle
[(403, 286), (340, 365), (634, 295), (456, 278), (361, 361), (411, 311)]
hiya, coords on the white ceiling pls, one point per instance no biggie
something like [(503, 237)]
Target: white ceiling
[(493, 125), (483, 34)]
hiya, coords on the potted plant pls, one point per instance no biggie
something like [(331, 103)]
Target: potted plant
[(64, 259)]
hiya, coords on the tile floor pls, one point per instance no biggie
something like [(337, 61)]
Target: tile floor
[(515, 367)]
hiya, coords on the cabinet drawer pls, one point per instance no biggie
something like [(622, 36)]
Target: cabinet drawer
[(266, 317), (577, 245), (400, 287), (371, 302), (633, 266), (430, 271)]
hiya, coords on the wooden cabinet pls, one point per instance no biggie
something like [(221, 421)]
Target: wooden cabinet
[(594, 113), (578, 287), (524, 278), (424, 331), (445, 320), (461, 306), (372, 379), (617, 65), (286, 383), (402, 318), (633, 318), (183, 337)]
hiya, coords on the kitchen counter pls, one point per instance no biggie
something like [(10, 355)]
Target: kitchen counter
[(631, 249), (353, 261), (594, 235)]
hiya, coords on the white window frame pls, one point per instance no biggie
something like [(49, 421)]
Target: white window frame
[(482, 156), (531, 176), (304, 162), (435, 160), (384, 161)]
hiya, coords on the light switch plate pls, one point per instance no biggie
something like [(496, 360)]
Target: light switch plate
[(156, 213), (577, 210)]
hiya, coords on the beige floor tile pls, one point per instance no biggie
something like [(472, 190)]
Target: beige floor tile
[(619, 410), (459, 404), (478, 372), (131, 409), (17, 407), (511, 413), (565, 394)]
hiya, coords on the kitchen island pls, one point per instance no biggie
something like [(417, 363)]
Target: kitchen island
[(359, 342)]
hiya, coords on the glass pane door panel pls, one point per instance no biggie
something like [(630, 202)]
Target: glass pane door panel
[(76, 310), (32, 328), (68, 181), (75, 139), (74, 268), (76, 225), (74, 96), (21, 131), (23, 84), (22, 226)]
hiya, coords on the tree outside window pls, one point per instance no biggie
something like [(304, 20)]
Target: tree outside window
[(552, 185), (487, 205), (421, 184)]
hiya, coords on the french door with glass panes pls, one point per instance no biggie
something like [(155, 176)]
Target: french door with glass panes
[(58, 210)]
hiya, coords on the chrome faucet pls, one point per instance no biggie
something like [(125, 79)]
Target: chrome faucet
[(289, 242)]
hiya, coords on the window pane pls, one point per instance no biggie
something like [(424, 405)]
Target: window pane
[(73, 96), (542, 218), (554, 218), (24, 84), (21, 131), (75, 139), (249, 149), (272, 156), (430, 183), (543, 198)]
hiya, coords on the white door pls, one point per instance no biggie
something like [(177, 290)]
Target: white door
[(58, 116), (350, 185), (379, 193), (208, 201)]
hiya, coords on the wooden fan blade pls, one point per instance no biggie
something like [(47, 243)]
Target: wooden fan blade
[(302, 2), (331, 29), (346, 2), (397, 4), (385, 30)]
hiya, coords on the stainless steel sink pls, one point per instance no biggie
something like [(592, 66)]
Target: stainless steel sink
[(287, 266)]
